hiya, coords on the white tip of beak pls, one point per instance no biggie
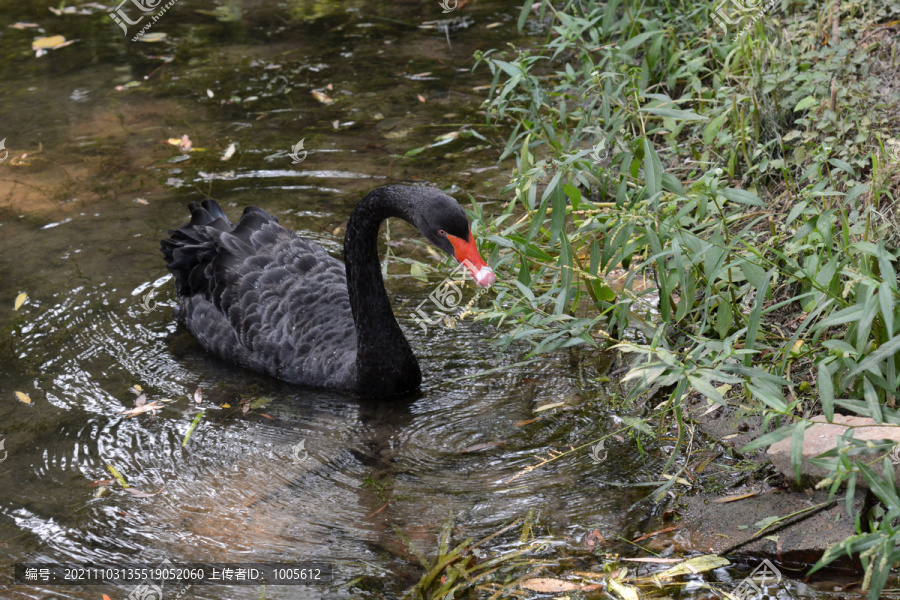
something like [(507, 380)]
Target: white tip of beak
[(485, 277)]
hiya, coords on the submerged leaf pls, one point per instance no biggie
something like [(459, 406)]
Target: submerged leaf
[(229, 152), (322, 97), (139, 410), (153, 37)]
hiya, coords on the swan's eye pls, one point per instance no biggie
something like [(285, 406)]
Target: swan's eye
[(442, 232)]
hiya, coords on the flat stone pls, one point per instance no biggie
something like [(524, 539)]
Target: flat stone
[(726, 527), (821, 437)]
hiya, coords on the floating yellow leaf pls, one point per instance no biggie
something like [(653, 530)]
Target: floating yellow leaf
[(549, 406), (20, 300), (23, 397), (48, 43), (42, 45), (138, 387)]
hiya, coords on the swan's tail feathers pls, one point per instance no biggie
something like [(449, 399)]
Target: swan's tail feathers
[(211, 238), (192, 246)]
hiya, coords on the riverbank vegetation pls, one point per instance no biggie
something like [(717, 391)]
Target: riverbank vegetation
[(716, 195)]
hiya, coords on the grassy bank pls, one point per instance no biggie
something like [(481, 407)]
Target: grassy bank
[(737, 175)]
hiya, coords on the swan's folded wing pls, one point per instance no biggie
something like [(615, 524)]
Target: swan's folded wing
[(286, 301)]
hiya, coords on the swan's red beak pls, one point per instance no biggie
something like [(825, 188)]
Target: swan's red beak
[(467, 253)]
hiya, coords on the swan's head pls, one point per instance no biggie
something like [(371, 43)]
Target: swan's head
[(443, 221)]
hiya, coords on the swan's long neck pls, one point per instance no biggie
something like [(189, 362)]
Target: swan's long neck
[(384, 361)]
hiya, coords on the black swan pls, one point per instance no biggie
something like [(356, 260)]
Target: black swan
[(259, 295)]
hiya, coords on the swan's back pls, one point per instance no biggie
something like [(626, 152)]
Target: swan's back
[(259, 295)]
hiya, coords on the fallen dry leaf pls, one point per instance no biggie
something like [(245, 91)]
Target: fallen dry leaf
[(198, 395), (100, 482), (21, 25), (20, 300), (652, 533), (661, 561), (322, 97), (420, 97), (153, 37), (229, 152), (139, 410), (549, 406), (734, 498), (23, 397), (547, 584), (141, 494)]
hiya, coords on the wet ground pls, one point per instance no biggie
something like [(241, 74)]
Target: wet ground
[(95, 173)]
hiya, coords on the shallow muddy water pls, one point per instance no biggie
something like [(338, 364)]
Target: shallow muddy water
[(90, 185)]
